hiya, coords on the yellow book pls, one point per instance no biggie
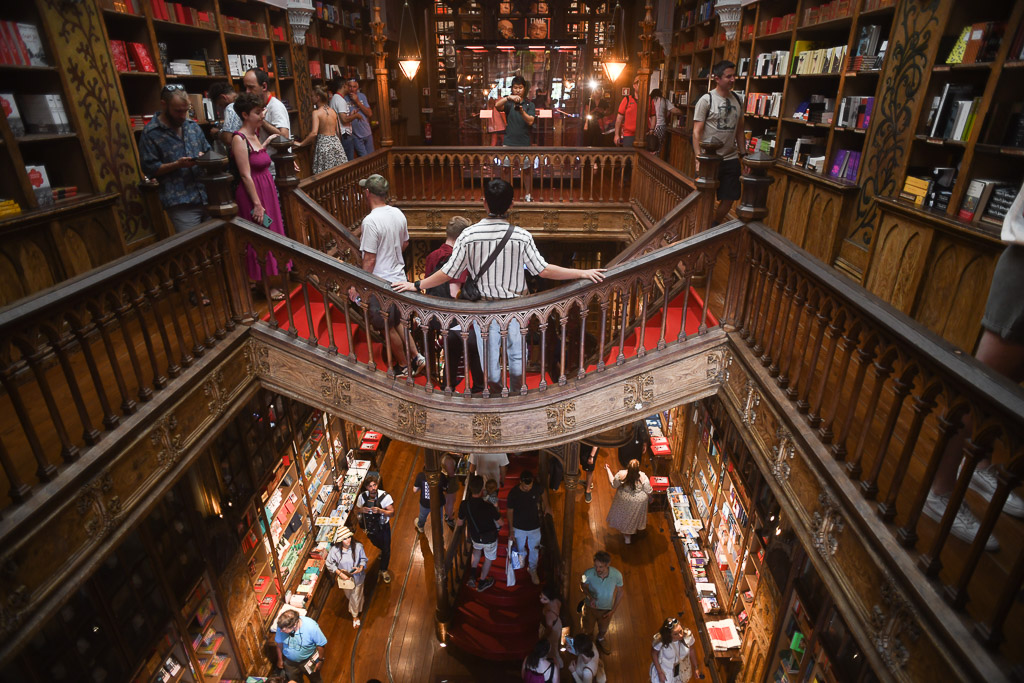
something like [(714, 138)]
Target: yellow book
[(956, 55)]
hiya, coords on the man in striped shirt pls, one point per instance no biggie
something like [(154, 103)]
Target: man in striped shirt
[(504, 279)]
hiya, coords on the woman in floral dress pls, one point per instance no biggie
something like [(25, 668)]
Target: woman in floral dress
[(633, 490), (329, 151)]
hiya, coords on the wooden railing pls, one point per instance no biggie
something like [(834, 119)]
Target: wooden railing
[(890, 400), (338, 192), (80, 358), (456, 561)]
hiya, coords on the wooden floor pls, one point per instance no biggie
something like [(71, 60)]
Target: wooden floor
[(397, 642)]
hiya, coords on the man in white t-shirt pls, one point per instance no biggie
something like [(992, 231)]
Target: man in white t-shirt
[(346, 115), (489, 466), (718, 115), (275, 114), (385, 235)]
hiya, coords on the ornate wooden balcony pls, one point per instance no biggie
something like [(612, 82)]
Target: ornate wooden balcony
[(113, 382)]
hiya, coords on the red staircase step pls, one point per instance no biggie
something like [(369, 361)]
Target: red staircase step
[(486, 644)]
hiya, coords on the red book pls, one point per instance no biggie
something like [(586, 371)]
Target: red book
[(179, 13), (6, 53), (165, 14), (372, 436), (19, 44), (120, 54), (142, 59)]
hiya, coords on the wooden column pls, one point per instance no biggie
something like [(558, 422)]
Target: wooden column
[(220, 203), (432, 468), (644, 74), (571, 456), (380, 71), (286, 181)]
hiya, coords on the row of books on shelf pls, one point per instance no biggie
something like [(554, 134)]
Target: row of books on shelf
[(350, 18), (845, 165), (823, 60), (870, 50), (131, 56), (806, 151), (761, 143), (1017, 47), (816, 109), (837, 9), (21, 45), (776, 24), (177, 13), (773, 63), (253, 29), (123, 6), (985, 201), (952, 113), (855, 112), (328, 71), (977, 43), (346, 45), (764, 103), (698, 15), (37, 113), (239, 64)]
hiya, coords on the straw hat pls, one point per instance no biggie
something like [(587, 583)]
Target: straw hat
[(341, 533)]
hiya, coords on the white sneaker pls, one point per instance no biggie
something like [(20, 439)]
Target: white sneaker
[(984, 482), (965, 526), (528, 197)]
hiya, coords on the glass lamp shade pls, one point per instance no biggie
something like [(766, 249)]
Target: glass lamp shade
[(409, 67), (614, 69)]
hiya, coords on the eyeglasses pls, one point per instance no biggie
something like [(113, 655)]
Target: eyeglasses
[(172, 87)]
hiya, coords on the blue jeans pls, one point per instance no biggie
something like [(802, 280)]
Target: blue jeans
[(364, 145), (424, 513), (348, 141), (493, 351), (532, 539)]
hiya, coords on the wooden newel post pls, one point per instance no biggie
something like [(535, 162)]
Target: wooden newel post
[(220, 201), (380, 72), (286, 181), (708, 162), (643, 99), (754, 198)]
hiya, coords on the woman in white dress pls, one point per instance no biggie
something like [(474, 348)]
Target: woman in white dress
[(673, 659), (628, 512)]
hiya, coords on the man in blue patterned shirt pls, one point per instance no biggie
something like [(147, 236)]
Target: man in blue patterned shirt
[(169, 146)]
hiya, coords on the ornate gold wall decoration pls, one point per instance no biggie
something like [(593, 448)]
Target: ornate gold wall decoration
[(335, 389), (434, 221), (166, 442), (638, 390), (893, 622), (213, 390), (561, 416), (751, 404), (93, 498), (257, 359), (412, 418), (590, 222), (782, 453), (827, 523), (550, 221), (486, 428), (715, 370)]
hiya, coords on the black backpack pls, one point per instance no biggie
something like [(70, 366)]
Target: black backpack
[(441, 290)]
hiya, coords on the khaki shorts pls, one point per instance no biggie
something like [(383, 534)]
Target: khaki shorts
[(490, 549)]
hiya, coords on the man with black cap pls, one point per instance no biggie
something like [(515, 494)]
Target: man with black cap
[(384, 237)]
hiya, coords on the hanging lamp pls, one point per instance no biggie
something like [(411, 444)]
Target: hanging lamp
[(615, 58), (409, 57)]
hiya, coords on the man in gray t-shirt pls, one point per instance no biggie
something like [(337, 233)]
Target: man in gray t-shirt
[(718, 115), (385, 235)]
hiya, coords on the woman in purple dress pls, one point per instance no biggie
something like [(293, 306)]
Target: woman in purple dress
[(256, 194)]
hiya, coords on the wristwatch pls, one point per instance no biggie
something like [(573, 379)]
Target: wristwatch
[(416, 284)]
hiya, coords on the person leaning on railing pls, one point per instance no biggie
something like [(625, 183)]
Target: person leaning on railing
[(504, 279)]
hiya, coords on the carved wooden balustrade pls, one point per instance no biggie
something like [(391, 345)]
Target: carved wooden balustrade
[(888, 400)]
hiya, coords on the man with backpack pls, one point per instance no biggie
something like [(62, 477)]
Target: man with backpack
[(450, 290), (719, 116), (376, 508), (484, 520)]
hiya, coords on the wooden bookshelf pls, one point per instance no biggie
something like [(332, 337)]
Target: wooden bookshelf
[(57, 148)]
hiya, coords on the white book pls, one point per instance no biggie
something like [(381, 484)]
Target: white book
[(249, 62), (57, 104), (40, 184), (961, 118), (235, 65), (30, 37)]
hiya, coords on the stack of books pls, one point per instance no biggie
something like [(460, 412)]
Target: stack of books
[(977, 43), (916, 189), (845, 165), (999, 203), (980, 194), (9, 207), (855, 112)]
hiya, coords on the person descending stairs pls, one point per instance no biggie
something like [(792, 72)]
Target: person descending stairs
[(498, 621)]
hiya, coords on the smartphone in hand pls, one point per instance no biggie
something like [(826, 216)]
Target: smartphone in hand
[(267, 220)]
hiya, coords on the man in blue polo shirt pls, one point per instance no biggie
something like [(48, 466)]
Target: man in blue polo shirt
[(298, 639), (168, 149), (602, 586)]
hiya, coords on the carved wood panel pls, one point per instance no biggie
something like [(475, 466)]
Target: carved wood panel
[(899, 261), (600, 401), (798, 206), (954, 290), (542, 222)]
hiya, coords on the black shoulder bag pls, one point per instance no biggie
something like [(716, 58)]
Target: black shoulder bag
[(470, 290)]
